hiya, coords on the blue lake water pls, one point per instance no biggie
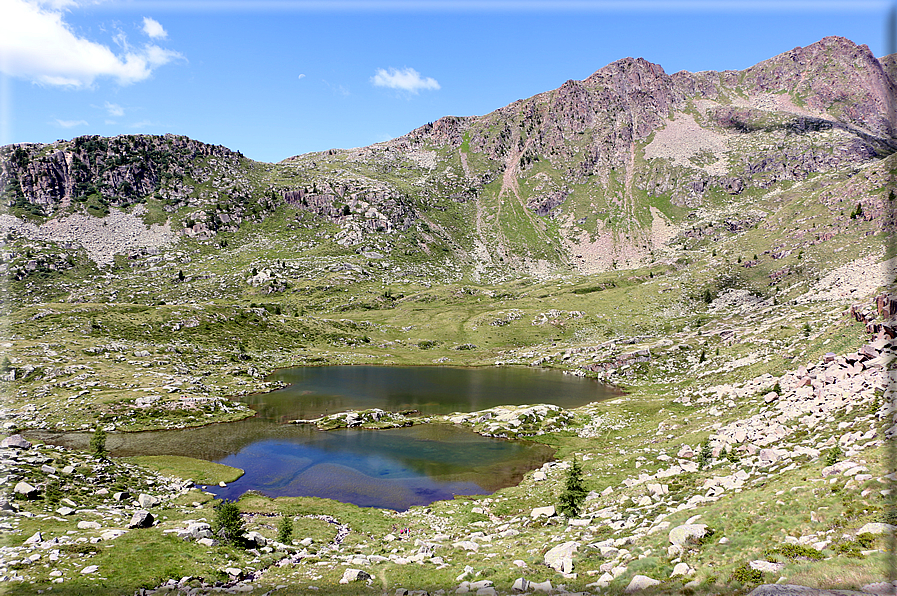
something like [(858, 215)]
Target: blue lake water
[(393, 468)]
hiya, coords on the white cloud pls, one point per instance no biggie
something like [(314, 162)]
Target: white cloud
[(406, 79), (37, 44), (302, 76), (70, 123), (143, 124), (152, 28), (114, 109)]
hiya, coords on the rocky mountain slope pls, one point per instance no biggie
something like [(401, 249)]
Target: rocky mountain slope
[(598, 174)]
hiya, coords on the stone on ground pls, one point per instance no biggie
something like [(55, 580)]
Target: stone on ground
[(640, 582)]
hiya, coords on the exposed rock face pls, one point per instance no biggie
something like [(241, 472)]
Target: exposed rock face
[(120, 170), (590, 127), (587, 154)]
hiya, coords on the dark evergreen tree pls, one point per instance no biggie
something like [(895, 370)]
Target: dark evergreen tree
[(574, 491), (227, 525), (285, 530), (98, 442)]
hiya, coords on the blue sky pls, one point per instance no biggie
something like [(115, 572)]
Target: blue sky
[(275, 78)]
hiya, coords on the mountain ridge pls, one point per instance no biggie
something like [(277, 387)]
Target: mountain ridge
[(604, 168)]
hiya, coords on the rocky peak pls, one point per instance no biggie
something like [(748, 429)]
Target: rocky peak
[(833, 76)]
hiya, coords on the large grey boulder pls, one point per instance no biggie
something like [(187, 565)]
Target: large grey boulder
[(640, 582), (877, 528), (26, 490), (199, 530), (548, 511), (560, 558), (147, 501), (520, 585), (257, 539), (686, 533), (16, 441), (141, 519), (354, 575)]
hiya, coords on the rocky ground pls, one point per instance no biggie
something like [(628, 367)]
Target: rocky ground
[(803, 454)]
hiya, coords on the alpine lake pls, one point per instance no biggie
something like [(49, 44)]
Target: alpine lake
[(391, 468)]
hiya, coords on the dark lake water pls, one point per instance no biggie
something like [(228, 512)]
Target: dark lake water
[(315, 391), (394, 468)]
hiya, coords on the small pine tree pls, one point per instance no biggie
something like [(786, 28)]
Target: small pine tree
[(228, 525), (705, 455), (53, 492), (574, 494), (732, 456), (285, 530), (98, 442), (834, 455)]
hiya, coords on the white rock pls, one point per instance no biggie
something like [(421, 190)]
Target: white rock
[(680, 569), (147, 501), (681, 535), (877, 528), (767, 566), (560, 558), (90, 569), (354, 575), (548, 511), (640, 582)]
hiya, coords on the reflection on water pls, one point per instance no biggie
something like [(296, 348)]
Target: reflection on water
[(315, 391), (394, 468)]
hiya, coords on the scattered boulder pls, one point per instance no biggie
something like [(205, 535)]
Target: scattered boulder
[(199, 530), (520, 585), (257, 539), (354, 575), (15, 441), (640, 582), (26, 490), (90, 569), (36, 538), (877, 528), (681, 569), (682, 535), (548, 511), (147, 501), (767, 566), (560, 558), (541, 586), (141, 519)]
